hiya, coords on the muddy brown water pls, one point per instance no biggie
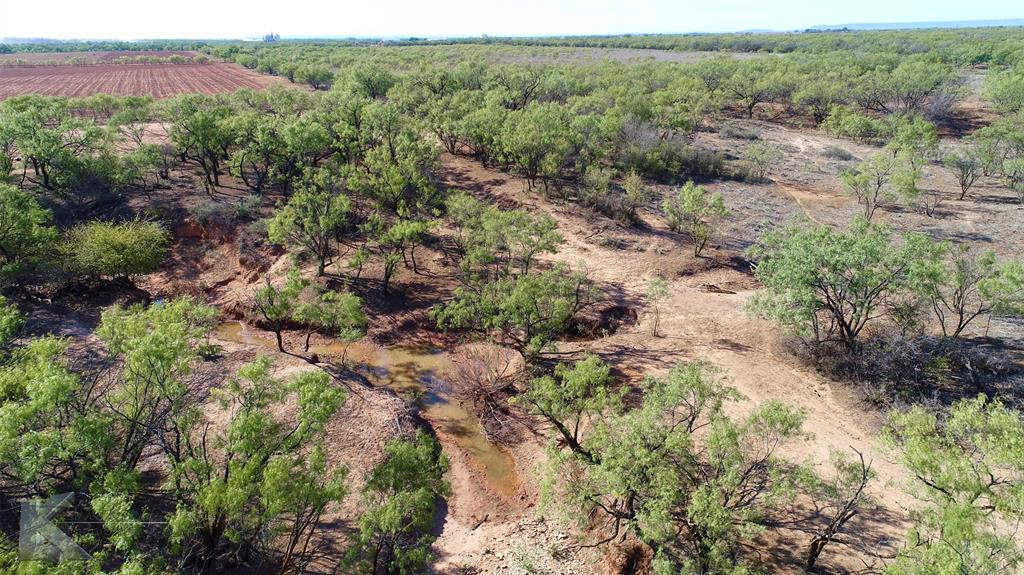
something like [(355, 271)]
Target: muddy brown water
[(411, 371)]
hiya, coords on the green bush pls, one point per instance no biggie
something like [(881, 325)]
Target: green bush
[(219, 214), (837, 153), (11, 320), (737, 133), (211, 213), (26, 234), (117, 251), (844, 122), (670, 163)]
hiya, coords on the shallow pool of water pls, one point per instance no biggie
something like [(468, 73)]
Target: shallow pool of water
[(412, 371)]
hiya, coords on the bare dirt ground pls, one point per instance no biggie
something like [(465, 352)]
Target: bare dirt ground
[(806, 185), (156, 80), (702, 318)]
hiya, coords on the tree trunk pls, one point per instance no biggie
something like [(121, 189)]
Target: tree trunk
[(817, 546)]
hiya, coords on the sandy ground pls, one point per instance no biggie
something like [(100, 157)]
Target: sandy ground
[(702, 318)]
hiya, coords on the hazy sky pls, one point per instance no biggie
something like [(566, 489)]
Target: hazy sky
[(128, 19)]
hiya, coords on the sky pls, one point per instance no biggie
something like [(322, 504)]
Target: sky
[(209, 19)]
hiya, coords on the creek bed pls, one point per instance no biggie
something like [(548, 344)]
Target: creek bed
[(410, 371)]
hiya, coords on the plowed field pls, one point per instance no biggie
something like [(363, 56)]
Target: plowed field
[(157, 80)]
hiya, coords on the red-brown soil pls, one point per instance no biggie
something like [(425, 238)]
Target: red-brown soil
[(157, 80)]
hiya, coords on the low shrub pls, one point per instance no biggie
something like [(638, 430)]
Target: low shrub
[(223, 215), (837, 153), (117, 251), (737, 133), (844, 122), (672, 164), (671, 160), (210, 213), (895, 368), (248, 208)]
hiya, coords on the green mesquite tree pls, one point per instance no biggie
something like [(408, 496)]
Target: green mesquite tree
[(27, 239), (313, 218), (694, 501), (830, 284), (696, 213), (400, 495), (968, 470)]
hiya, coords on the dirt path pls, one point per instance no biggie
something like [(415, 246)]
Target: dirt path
[(703, 317), (800, 196)]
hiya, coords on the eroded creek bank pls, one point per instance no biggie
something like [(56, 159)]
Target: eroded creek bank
[(417, 373)]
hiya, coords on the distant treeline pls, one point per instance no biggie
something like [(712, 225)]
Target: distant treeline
[(106, 46), (960, 46), (956, 46)]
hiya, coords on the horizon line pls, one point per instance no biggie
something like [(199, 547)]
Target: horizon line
[(881, 26)]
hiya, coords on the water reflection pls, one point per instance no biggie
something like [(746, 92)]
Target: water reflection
[(410, 371)]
